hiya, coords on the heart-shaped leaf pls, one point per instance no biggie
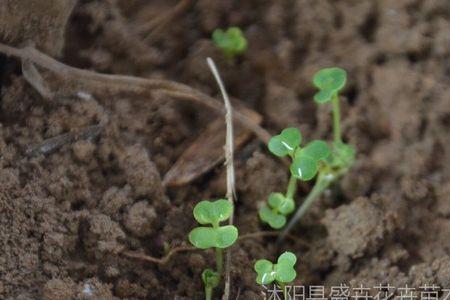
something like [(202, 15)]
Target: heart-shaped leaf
[(276, 221), (264, 269), (209, 237), (285, 267), (329, 81), (213, 212), (283, 271), (226, 236), (282, 204), (287, 258), (203, 237), (323, 96), (210, 278), (317, 150), (286, 142), (304, 168), (231, 42), (306, 160)]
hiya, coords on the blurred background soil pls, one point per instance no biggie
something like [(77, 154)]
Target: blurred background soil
[(66, 216)]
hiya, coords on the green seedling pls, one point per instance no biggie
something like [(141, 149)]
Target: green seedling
[(306, 162), (329, 81), (211, 280), (276, 211), (282, 272), (214, 236), (232, 42)]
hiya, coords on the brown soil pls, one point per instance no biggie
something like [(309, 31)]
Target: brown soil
[(66, 217)]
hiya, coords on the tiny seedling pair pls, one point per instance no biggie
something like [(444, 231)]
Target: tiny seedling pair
[(214, 236), (316, 158), (282, 272), (232, 42), (305, 163)]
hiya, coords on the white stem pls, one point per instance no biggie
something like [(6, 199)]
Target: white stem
[(228, 162)]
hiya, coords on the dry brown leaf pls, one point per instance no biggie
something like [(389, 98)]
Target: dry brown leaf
[(207, 151)]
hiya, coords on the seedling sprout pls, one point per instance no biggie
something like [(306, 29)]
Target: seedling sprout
[(329, 81), (211, 280), (282, 272), (306, 162), (216, 236), (232, 42)]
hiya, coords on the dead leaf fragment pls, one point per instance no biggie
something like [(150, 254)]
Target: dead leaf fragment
[(206, 152)]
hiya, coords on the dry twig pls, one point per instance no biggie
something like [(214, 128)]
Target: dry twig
[(231, 190), (104, 83), (34, 78), (54, 143), (160, 261), (166, 258), (156, 26)]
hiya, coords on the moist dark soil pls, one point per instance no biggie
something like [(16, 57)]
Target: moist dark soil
[(67, 216)]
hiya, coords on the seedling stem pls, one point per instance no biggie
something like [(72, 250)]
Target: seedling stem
[(208, 293), (336, 119), (283, 288), (292, 187), (219, 260), (211, 280), (322, 183)]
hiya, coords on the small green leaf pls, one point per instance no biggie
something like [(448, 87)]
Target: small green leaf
[(287, 206), (304, 168), (264, 269), (276, 221), (306, 160), (210, 278), (282, 272), (275, 200), (317, 150), (282, 204), (208, 237), (288, 258), (226, 236), (213, 212), (285, 267), (323, 96), (203, 237), (286, 142), (231, 42), (329, 81)]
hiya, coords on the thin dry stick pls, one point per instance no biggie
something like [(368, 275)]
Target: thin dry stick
[(158, 25), (160, 261), (229, 164), (98, 82), (54, 143), (166, 258), (34, 78)]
